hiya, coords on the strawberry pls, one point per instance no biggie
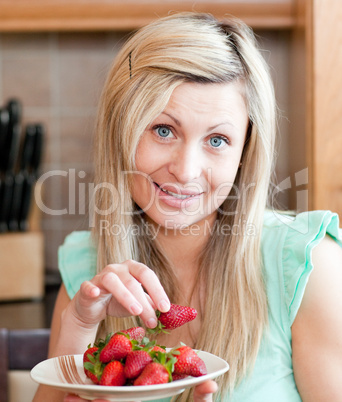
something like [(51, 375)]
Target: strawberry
[(153, 373), (135, 363), (174, 318), (117, 348), (91, 364), (135, 333), (176, 377), (158, 371), (113, 374), (158, 348), (188, 362)]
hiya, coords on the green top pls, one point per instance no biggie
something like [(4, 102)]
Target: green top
[(287, 244)]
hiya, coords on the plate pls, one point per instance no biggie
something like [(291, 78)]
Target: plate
[(66, 373)]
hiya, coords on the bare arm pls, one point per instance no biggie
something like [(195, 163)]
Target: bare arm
[(317, 329)]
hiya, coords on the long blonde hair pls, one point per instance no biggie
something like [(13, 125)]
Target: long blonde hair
[(191, 47)]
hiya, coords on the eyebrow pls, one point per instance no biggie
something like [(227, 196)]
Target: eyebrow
[(209, 129), (221, 124), (173, 118)]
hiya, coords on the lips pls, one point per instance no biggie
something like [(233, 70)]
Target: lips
[(176, 192)]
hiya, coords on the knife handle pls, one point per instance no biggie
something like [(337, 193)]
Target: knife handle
[(38, 148), (4, 122), (28, 146), (15, 111), (14, 210), (6, 199), (11, 148), (29, 181)]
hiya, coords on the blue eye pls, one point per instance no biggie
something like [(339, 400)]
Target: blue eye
[(163, 131), (217, 142)]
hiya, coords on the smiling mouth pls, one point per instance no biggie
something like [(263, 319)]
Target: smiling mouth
[(176, 195)]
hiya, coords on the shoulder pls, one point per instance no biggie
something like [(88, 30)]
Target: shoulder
[(77, 258), (288, 243), (323, 292), (317, 328)]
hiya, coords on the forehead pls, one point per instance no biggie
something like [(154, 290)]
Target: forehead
[(208, 100)]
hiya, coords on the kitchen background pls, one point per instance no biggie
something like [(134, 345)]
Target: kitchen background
[(58, 79)]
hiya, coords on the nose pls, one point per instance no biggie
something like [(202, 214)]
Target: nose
[(186, 164)]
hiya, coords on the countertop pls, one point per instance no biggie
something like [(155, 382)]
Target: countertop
[(27, 314)]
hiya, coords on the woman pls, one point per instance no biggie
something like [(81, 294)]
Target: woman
[(184, 156)]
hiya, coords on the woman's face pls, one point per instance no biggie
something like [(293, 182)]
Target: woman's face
[(188, 157)]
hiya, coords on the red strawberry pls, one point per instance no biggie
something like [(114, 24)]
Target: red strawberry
[(158, 348), (176, 377), (135, 363), (88, 357), (153, 373), (136, 333), (174, 318), (188, 362), (117, 348), (113, 374)]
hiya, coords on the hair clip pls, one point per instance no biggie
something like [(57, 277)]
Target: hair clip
[(130, 64)]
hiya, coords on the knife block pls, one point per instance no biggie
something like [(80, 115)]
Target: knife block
[(22, 262)]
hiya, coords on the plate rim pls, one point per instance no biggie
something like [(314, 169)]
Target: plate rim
[(187, 382)]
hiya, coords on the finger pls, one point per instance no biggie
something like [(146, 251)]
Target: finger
[(89, 290), (90, 293), (72, 398), (151, 283), (204, 391), (128, 292), (75, 398), (125, 291), (120, 281)]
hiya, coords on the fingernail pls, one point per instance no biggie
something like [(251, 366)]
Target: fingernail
[(136, 309), (151, 323), (164, 306)]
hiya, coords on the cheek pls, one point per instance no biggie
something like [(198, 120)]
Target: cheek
[(222, 183), (223, 177), (147, 159)]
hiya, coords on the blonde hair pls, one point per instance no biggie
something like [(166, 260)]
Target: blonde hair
[(192, 47)]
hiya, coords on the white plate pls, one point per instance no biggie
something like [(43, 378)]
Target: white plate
[(57, 373)]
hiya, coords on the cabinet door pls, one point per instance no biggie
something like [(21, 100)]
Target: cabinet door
[(324, 103)]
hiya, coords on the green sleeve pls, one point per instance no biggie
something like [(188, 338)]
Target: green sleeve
[(303, 234), (77, 260)]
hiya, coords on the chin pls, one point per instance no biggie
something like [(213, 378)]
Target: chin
[(180, 221)]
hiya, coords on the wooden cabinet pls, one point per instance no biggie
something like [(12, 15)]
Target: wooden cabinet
[(324, 102), (76, 15), (315, 65)]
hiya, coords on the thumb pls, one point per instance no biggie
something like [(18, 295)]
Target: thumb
[(204, 391)]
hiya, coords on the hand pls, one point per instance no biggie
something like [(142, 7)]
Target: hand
[(118, 291), (75, 398), (204, 391)]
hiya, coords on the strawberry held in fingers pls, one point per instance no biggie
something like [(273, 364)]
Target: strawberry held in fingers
[(174, 318), (113, 374), (118, 346)]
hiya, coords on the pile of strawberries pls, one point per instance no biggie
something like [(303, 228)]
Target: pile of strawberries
[(129, 358)]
